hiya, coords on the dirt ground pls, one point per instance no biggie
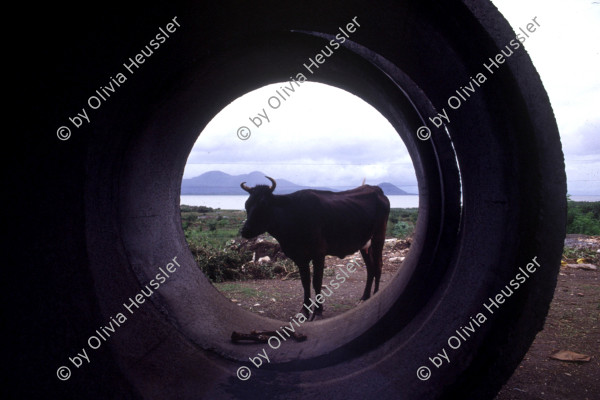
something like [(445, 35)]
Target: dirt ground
[(572, 323), (282, 299)]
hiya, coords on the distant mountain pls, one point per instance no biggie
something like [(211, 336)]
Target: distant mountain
[(220, 183), (389, 189)]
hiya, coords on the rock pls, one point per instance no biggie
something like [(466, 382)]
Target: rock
[(590, 267), (396, 259), (390, 242), (566, 355), (265, 259)]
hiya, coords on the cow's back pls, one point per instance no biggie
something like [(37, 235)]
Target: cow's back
[(349, 219), (313, 222)]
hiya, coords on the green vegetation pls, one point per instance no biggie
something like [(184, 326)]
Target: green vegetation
[(219, 264), (401, 222), (587, 253), (237, 289), (338, 307), (207, 226), (213, 238), (209, 235), (583, 217)]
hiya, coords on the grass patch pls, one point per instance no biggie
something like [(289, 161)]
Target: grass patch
[(238, 289), (207, 226), (339, 307)]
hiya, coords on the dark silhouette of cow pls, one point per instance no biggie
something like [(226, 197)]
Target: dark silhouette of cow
[(310, 224)]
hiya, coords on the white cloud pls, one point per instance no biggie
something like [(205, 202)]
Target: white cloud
[(566, 52), (320, 136), (324, 136)]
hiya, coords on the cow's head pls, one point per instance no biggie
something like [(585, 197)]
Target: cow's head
[(258, 208)]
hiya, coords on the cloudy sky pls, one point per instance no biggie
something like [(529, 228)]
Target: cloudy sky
[(318, 136)]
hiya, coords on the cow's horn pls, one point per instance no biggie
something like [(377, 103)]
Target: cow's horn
[(272, 181), (243, 186)]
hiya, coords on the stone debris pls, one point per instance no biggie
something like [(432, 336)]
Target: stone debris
[(264, 260), (396, 259), (567, 355), (589, 267), (578, 241)]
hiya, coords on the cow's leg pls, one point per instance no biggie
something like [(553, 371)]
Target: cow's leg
[(318, 266), (376, 251), (304, 269), (369, 262)]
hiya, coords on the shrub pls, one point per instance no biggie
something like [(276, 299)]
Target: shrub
[(220, 264), (583, 217), (585, 224), (197, 209), (401, 222), (402, 230)]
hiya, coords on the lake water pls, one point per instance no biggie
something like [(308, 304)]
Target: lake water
[(237, 202), (585, 198)]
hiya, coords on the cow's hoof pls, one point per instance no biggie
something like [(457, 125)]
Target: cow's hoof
[(316, 317), (305, 312)]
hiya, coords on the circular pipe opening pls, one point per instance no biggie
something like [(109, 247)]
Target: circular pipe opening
[(318, 136), (505, 139), (150, 227)]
